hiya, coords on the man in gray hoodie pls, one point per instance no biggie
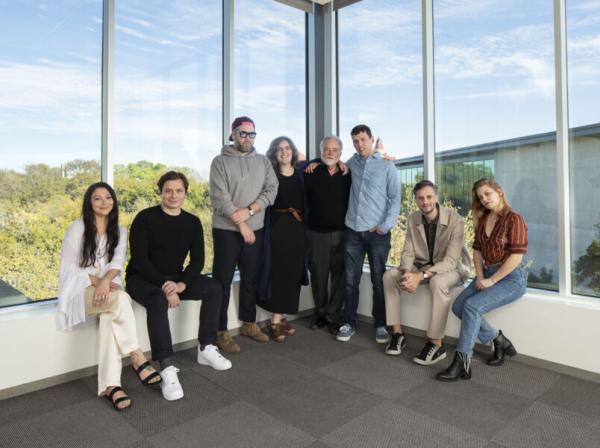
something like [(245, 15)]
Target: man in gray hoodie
[(242, 185)]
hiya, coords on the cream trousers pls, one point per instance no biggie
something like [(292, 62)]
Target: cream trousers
[(443, 289), (117, 336)]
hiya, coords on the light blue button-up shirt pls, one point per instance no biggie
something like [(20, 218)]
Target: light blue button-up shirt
[(374, 195)]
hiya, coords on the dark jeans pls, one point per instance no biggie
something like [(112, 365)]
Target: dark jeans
[(231, 251), (377, 247), (327, 259), (153, 299)]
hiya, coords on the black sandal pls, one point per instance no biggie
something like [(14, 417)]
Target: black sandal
[(116, 401), (148, 380)]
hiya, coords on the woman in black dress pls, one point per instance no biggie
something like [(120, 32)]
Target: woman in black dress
[(284, 265)]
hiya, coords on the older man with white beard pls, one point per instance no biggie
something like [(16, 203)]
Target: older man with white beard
[(327, 191)]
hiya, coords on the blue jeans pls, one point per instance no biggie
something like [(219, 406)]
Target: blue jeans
[(377, 247), (471, 305)]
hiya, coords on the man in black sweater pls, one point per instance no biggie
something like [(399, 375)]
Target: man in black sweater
[(327, 191), (161, 238)]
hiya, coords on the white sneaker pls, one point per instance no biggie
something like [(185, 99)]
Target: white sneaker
[(171, 389), (210, 356)]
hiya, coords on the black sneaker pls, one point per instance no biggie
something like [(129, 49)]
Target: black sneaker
[(430, 354), (396, 344)]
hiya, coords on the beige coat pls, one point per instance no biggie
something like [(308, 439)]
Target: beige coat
[(449, 252)]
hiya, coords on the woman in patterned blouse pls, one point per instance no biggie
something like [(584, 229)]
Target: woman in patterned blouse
[(500, 243)]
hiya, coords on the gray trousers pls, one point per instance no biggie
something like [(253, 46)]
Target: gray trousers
[(326, 259)]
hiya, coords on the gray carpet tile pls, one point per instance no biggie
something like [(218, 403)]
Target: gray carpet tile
[(314, 403), (87, 424), (377, 373), (392, 425), (144, 443), (151, 414), (516, 378), (238, 425), (253, 370), (318, 444), (473, 407), (576, 395), (313, 348), (53, 398), (546, 426)]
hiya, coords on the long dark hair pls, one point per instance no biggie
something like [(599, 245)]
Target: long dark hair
[(90, 232)]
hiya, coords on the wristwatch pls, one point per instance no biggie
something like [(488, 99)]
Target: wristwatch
[(250, 211), (426, 275)]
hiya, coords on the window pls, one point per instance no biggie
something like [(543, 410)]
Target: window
[(270, 70), (50, 108), (380, 84), (583, 53), (167, 101), (495, 113)]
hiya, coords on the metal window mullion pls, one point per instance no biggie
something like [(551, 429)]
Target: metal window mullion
[(330, 70), (311, 118), (227, 68), (562, 148), (428, 90), (108, 98)]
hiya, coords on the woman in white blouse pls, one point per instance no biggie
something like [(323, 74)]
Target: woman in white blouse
[(93, 253)]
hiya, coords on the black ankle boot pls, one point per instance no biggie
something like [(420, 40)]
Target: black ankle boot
[(502, 346), (460, 368)]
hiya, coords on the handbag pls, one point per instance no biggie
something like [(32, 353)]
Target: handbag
[(109, 306)]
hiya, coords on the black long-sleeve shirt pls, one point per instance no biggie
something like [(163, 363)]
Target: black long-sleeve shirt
[(160, 243), (327, 199)]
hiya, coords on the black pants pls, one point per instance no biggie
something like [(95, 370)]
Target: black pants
[(231, 251), (327, 258), (154, 300)]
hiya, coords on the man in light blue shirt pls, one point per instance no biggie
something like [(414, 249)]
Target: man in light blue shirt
[(372, 212)]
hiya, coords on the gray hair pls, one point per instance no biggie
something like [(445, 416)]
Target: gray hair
[(331, 137)]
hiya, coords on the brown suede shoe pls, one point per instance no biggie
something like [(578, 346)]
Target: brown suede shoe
[(277, 332), (287, 327), (226, 343), (253, 331)]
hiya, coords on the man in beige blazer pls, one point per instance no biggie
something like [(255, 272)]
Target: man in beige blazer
[(433, 256)]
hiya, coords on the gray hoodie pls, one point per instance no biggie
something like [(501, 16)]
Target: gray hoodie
[(236, 181)]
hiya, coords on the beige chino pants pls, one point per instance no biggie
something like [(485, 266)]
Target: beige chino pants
[(439, 287), (117, 335)]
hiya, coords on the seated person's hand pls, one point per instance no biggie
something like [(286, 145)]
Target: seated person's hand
[(101, 293), (169, 287), (180, 287), (410, 281), (486, 283), (173, 300)]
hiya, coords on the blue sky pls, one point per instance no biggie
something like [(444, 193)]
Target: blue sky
[(493, 62)]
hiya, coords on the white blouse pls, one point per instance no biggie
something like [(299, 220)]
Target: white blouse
[(74, 279)]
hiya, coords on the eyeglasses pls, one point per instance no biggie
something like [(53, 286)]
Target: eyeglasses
[(244, 134)]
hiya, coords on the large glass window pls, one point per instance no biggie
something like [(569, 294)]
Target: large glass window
[(50, 107), (167, 101), (270, 70), (380, 73), (380, 85), (583, 33), (495, 114)]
